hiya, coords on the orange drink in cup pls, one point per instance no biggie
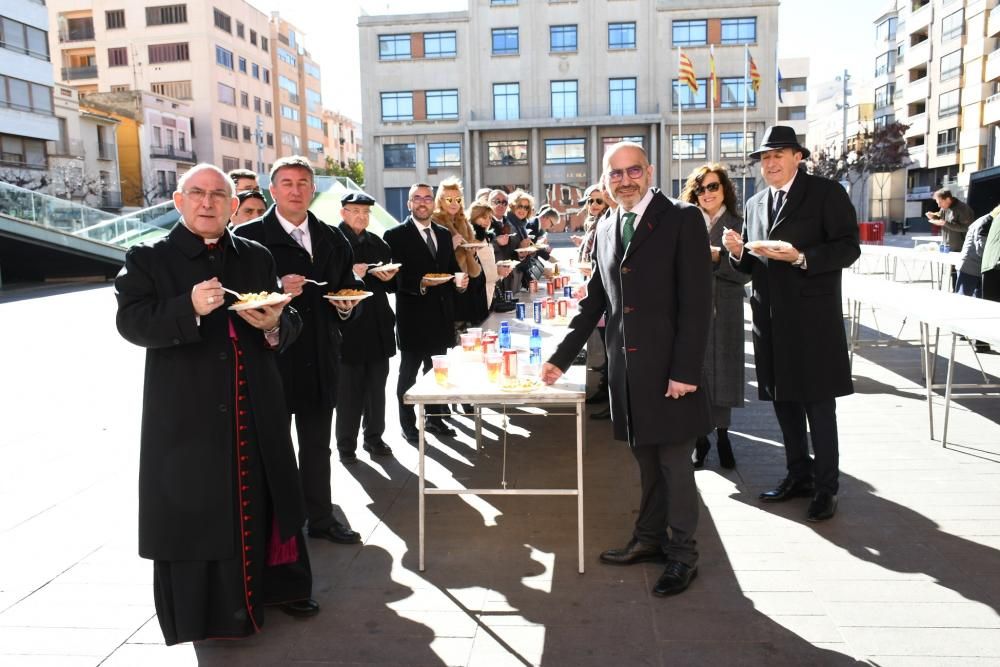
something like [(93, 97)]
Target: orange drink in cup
[(440, 362), (468, 342), (493, 363)]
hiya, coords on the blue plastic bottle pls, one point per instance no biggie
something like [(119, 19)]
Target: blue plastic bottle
[(535, 345), (504, 337)]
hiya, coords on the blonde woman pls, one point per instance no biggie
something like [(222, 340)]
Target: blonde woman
[(470, 306)]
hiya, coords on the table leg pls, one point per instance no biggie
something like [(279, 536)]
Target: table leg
[(579, 483), (420, 470), (925, 335), (479, 428), (947, 391)]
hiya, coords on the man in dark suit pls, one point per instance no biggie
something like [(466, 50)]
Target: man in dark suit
[(425, 311), (304, 247), (370, 341), (213, 413), (798, 335), (652, 274)]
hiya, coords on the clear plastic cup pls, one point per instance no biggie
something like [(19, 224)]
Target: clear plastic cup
[(440, 362)]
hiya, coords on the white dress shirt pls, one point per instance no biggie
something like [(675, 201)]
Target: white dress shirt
[(289, 226)]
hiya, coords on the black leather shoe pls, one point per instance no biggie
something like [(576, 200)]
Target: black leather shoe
[(440, 428), (632, 553), (602, 414), (701, 447), (725, 449), (675, 578), (789, 488), (300, 608), (822, 507), (347, 458), (336, 532), (599, 396), (378, 448)]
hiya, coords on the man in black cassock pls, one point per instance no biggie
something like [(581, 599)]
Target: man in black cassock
[(220, 507)]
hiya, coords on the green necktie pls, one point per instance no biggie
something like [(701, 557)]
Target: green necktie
[(628, 230)]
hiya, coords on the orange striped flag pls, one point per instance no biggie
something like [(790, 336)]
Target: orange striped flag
[(754, 74), (713, 80), (685, 73)]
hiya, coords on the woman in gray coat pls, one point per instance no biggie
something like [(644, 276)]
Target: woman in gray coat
[(710, 188)]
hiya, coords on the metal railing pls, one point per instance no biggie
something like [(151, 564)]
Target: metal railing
[(106, 151), (172, 153), (74, 73)]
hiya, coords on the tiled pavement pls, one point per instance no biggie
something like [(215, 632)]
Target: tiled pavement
[(907, 574)]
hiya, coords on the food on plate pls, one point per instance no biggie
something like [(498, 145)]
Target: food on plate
[(255, 297), (769, 245), (349, 292), (437, 276), (522, 384)]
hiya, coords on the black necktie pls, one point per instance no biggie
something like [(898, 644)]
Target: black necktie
[(430, 241), (779, 199)]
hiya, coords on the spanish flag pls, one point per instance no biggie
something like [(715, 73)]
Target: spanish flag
[(713, 80), (754, 74), (685, 72)]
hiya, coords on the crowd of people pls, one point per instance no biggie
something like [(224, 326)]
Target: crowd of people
[(226, 510)]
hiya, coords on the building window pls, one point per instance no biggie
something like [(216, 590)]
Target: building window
[(394, 47), (397, 106), (739, 31), (256, 104), (291, 113), (287, 57), (312, 69), (223, 57), (244, 99), (227, 94), (608, 142), (314, 121), (120, 88), (21, 38), (267, 109), (442, 104), (502, 3), (690, 146), (168, 53), (314, 102), (506, 101), (885, 63), (734, 144), (223, 22), (253, 37), (247, 134), (621, 93), (563, 97), (565, 151), (562, 38), (886, 30), (444, 154), (180, 90), (263, 43), (690, 33), (690, 99), (270, 139), (229, 130), (290, 87), (240, 30), (114, 19), (399, 156), (731, 92), (505, 41), (166, 15), (230, 163), (951, 65), (883, 95), (22, 152), (266, 74), (243, 64), (289, 139), (439, 44), (949, 103), (25, 95), (953, 25), (395, 202), (947, 141), (118, 56), (255, 70), (507, 153), (621, 35)]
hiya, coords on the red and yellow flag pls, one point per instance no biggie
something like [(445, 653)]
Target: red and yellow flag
[(685, 72), (713, 80), (754, 74)]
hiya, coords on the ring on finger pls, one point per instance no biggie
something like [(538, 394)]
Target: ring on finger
[(211, 300)]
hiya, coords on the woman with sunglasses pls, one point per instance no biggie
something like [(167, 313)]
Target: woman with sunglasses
[(470, 306), (710, 188)]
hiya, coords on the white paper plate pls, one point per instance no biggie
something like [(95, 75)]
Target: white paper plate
[(769, 245), (442, 279), (385, 267), (331, 297), (273, 300)]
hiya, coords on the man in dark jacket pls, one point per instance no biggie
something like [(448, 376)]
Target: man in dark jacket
[(370, 340), (953, 216), (798, 335), (656, 349), (220, 507), (306, 248)]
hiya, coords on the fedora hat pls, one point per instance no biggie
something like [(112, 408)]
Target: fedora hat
[(779, 136)]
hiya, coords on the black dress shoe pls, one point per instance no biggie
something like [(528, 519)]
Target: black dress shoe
[(440, 428), (822, 507), (602, 414), (789, 488), (725, 448), (378, 448), (633, 552), (300, 608), (701, 447), (599, 396), (347, 458), (336, 532), (675, 578)]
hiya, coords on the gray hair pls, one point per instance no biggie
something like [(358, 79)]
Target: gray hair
[(612, 149), (206, 166)]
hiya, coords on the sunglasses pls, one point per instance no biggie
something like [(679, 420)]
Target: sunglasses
[(711, 187), (634, 172), (452, 200), (595, 201), (499, 202), (522, 207)]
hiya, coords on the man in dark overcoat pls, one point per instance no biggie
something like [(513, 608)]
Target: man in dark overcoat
[(304, 247), (220, 507), (652, 274), (425, 309), (370, 341), (798, 335)]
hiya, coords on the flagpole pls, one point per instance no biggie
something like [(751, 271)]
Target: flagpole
[(777, 86), (680, 126), (746, 97), (711, 113)]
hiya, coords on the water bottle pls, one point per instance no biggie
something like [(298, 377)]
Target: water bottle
[(504, 340), (535, 345)]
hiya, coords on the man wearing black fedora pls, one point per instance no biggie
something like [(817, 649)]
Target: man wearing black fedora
[(798, 335)]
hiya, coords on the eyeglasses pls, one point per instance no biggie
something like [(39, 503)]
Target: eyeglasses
[(523, 207), (198, 195), (452, 200), (634, 172), (711, 187), (419, 199), (590, 202), (499, 202)]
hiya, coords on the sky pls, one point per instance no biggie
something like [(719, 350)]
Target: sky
[(834, 35)]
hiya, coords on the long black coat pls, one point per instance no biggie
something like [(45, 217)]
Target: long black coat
[(425, 323), (372, 336), (658, 298), (309, 368), (187, 503), (798, 335)]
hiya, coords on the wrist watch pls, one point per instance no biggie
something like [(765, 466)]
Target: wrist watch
[(800, 261)]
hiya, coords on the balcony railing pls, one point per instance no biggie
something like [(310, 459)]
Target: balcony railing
[(70, 148), (172, 153), (74, 73), (77, 35), (106, 152)]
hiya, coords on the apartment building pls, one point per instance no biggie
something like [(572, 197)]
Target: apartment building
[(299, 103), (27, 119), (215, 56), (528, 94), (793, 95), (341, 138)]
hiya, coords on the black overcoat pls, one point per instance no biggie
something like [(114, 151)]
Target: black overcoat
[(658, 298), (309, 368), (800, 346), (372, 336), (425, 323), (187, 499)]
